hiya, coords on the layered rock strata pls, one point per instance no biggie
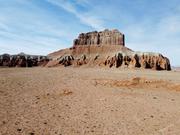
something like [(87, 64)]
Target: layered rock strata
[(106, 37)]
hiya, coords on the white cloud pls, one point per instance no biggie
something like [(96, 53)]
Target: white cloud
[(12, 43), (87, 19), (82, 2), (34, 31), (170, 25), (162, 36), (3, 26)]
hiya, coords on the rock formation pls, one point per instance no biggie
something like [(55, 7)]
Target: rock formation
[(107, 49), (120, 59), (22, 60), (105, 37), (146, 60)]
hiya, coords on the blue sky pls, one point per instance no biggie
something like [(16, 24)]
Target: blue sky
[(44, 26)]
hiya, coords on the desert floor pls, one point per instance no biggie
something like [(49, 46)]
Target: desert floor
[(89, 101)]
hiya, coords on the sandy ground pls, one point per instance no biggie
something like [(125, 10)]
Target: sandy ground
[(89, 101)]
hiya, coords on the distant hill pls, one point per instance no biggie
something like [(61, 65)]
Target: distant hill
[(22, 60), (175, 68)]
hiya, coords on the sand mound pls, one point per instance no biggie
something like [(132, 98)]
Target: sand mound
[(138, 82)]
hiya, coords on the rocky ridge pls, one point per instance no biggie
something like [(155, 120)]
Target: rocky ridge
[(22, 60)]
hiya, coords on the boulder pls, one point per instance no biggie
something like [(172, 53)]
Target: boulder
[(5, 60), (66, 60)]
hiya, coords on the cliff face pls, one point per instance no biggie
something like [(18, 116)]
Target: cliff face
[(107, 49), (106, 37), (22, 60)]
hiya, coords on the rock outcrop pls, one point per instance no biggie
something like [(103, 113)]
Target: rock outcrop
[(106, 37), (146, 60), (22, 60), (120, 60), (107, 49)]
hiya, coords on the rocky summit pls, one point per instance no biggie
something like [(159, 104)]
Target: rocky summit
[(106, 37), (106, 49)]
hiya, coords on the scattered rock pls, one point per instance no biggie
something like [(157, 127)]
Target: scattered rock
[(66, 92), (19, 130)]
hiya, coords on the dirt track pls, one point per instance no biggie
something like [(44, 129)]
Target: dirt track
[(89, 101)]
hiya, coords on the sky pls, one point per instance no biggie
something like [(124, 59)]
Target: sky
[(44, 26)]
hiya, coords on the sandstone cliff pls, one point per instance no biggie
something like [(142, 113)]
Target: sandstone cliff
[(106, 49), (105, 37)]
